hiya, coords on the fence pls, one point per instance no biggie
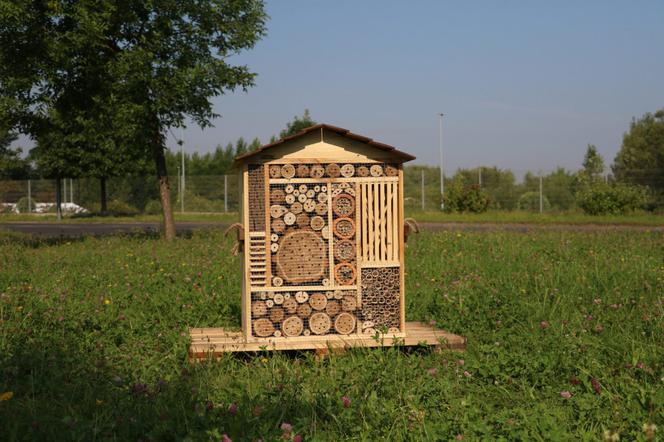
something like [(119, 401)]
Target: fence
[(125, 195), (506, 190)]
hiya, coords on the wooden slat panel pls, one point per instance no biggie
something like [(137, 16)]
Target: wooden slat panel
[(397, 222), (210, 342), (370, 234), (390, 222)]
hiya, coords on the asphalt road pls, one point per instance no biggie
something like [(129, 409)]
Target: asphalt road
[(97, 229)]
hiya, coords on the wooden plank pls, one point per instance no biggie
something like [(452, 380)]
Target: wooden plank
[(402, 258), (245, 302), (358, 253), (370, 222), (210, 342), (386, 179), (365, 225), (376, 264), (330, 241), (310, 288), (268, 218), (318, 160), (383, 221), (376, 237), (389, 224), (396, 221)]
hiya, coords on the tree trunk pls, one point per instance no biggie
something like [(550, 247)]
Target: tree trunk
[(103, 196), (164, 187), (58, 198)]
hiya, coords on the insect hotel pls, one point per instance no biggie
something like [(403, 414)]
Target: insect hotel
[(323, 241)]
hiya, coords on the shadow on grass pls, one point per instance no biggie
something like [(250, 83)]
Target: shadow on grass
[(63, 391), (36, 241)]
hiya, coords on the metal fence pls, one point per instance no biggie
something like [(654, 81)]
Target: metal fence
[(124, 195), (550, 191)]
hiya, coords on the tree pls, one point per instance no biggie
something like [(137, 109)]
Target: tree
[(298, 124), (148, 63), (593, 163), (640, 159), (12, 164)]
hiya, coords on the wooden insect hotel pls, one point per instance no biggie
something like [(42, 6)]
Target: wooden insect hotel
[(323, 262)]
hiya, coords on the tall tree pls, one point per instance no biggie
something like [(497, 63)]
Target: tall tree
[(149, 63), (297, 124), (640, 159), (593, 163)]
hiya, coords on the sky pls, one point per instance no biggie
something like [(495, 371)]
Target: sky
[(523, 85)]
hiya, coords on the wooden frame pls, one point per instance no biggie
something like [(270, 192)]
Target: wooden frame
[(378, 216)]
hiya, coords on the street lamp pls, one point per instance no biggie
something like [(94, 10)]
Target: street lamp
[(442, 174), (182, 177)]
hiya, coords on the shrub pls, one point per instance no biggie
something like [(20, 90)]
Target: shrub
[(530, 201), (461, 198), (119, 208), (22, 205), (153, 207), (616, 199)]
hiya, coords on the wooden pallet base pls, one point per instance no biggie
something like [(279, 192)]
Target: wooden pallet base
[(211, 342)]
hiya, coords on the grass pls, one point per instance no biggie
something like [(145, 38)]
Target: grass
[(576, 218), (179, 217), (93, 344), (519, 217)]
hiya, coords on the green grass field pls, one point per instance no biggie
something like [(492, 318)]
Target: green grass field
[(499, 216), (565, 342)]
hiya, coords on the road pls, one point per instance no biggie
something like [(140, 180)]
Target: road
[(97, 229)]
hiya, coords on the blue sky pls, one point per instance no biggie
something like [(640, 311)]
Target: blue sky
[(524, 85)]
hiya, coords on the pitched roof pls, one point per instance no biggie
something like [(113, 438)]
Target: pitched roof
[(338, 130)]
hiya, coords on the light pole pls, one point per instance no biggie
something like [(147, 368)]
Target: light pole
[(442, 174), (182, 179)]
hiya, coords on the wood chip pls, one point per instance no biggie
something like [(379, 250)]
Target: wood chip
[(258, 309), (292, 326), (320, 323), (288, 171), (317, 301), (344, 323), (263, 327)]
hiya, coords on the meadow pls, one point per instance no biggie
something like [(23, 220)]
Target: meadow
[(565, 342), (645, 219)]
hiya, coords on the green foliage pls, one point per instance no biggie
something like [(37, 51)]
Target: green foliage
[(466, 198), (593, 163), (618, 199), (153, 207), (298, 124), (640, 159), (100, 351), (499, 184), (121, 208), (98, 83), (25, 204), (13, 166), (530, 201)]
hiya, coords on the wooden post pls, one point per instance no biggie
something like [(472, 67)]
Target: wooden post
[(402, 256), (246, 284)]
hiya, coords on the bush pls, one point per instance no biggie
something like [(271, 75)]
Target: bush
[(461, 198), (120, 208), (153, 207), (617, 199), (22, 205), (530, 201)]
